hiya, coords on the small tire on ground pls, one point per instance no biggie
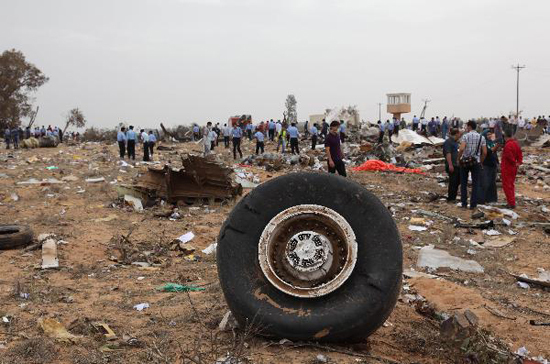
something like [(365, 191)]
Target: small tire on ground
[(15, 236), (350, 313)]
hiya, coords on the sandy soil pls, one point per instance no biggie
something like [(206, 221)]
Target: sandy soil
[(92, 286)]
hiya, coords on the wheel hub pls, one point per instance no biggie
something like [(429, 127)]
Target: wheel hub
[(307, 251)]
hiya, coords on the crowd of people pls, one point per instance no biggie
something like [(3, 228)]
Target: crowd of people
[(12, 136), (127, 140), (475, 155)]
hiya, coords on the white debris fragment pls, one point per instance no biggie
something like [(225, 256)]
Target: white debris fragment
[(210, 249), (436, 258), (141, 306), (134, 202), (417, 228), (186, 237), (492, 232)]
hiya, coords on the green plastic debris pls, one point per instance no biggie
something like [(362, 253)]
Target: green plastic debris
[(174, 287)]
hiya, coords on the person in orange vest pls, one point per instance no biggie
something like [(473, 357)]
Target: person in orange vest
[(511, 160)]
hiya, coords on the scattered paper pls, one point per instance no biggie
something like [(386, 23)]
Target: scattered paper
[(49, 254), (141, 306), (210, 249), (417, 228), (491, 232), (186, 237), (134, 202), (436, 258)]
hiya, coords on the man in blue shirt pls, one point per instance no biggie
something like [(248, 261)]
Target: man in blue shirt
[(389, 128), (271, 128), (432, 127), (342, 131), (293, 134), (396, 126), (237, 133), (249, 128), (196, 134), (15, 138), (131, 142), (7, 137), (415, 123), (152, 141), (381, 133), (314, 132), (121, 139), (259, 136)]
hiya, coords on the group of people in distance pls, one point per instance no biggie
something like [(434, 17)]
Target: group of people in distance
[(12, 136), (474, 154), (127, 140), (282, 134)]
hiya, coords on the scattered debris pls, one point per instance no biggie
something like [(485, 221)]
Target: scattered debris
[(210, 249), (174, 287), (228, 322), (141, 306), (95, 180), (134, 202), (435, 258), (56, 330), (49, 254), (105, 330), (417, 228)]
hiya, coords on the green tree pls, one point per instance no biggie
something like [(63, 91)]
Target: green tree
[(290, 105), (18, 80), (75, 118)]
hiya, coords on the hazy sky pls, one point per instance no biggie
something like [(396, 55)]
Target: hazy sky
[(182, 61)]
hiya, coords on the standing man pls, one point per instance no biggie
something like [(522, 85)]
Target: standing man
[(471, 154), (196, 131), (131, 140), (226, 135), (432, 127), (415, 123), (152, 141), (314, 132), (294, 134), (334, 152), (145, 141), (381, 127), (342, 131), (278, 127), (512, 158), (488, 175), (271, 127), (7, 137), (260, 141), (306, 128), (423, 124), (444, 127), (121, 139), (324, 129), (206, 141), (281, 139), (237, 133), (249, 128), (402, 124), (15, 138), (450, 151), (396, 126)]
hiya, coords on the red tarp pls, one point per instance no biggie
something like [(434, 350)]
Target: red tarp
[(377, 165)]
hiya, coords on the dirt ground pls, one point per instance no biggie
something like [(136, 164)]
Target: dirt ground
[(93, 284)]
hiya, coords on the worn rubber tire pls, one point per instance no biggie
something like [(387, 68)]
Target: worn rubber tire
[(15, 236), (350, 313)]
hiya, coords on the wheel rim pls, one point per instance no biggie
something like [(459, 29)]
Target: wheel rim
[(307, 251)]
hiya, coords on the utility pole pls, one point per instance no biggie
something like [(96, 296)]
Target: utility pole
[(380, 111), (517, 68)]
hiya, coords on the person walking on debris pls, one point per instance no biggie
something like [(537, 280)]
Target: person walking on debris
[(237, 133), (259, 141), (278, 127), (293, 135), (314, 132), (15, 138), (306, 128), (213, 136), (152, 142), (471, 154), (131, 142), (7, 137), (403, 124), (342, 131), (512, 158), (488, 176), (432, 127), (226, 135), (281, 139), (121, 139), (145, 141), (381, 128), (335, 157), (450, 151)]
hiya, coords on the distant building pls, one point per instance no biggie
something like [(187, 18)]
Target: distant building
[(399, 103)]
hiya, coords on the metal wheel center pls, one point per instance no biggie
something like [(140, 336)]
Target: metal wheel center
[(307, 251)]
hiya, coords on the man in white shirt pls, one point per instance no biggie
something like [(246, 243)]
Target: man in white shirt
[(206, 141), (226, 135)]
